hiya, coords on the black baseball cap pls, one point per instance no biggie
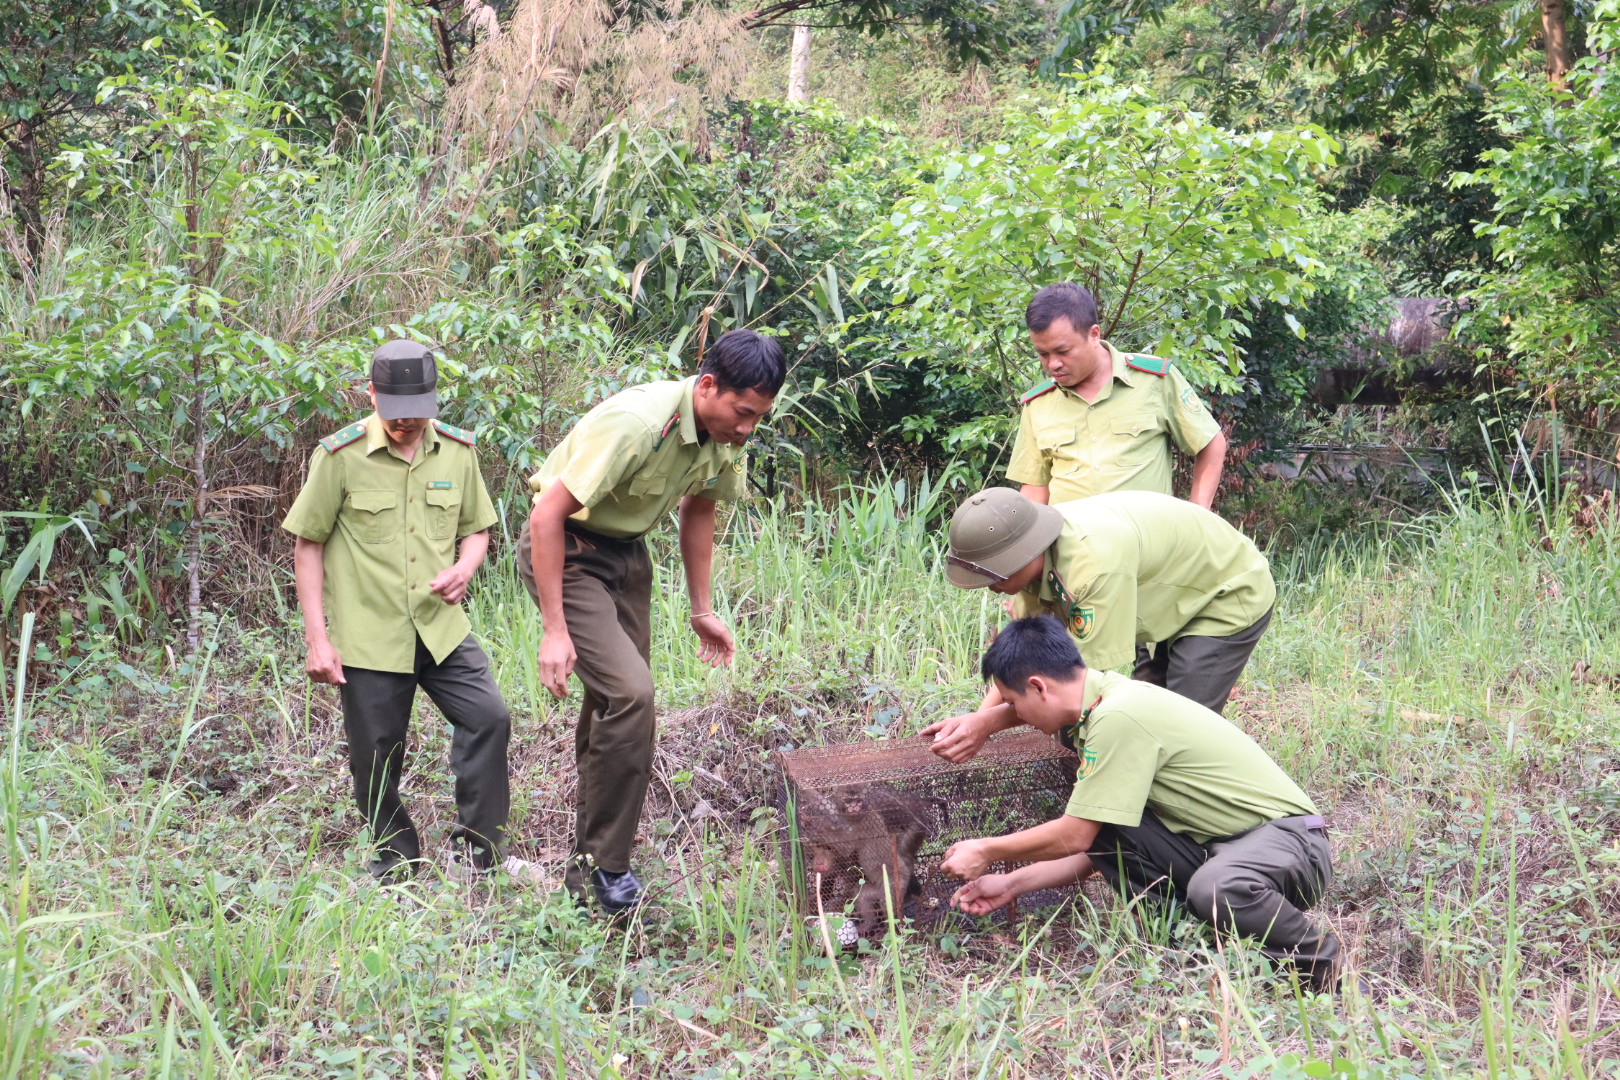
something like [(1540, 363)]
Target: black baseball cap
[(403, 376)]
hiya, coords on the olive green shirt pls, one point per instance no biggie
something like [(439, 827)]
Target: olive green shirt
[(1142, 746), (632, 457), (1137, 566), (389, 527), (1120, 442)]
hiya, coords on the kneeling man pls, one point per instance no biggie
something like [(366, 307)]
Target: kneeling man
[(1170, 800)]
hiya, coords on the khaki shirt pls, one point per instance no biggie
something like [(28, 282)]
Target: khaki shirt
[(389, 526), (632, 457), (1141, 746), (1137, 566), (1120, 442)]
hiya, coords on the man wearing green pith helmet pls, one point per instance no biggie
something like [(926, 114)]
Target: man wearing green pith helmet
[(1116, 570)]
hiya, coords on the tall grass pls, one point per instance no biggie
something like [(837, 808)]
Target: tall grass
[(1445, 690)]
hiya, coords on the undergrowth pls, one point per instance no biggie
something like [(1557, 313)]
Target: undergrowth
[(184, 892)]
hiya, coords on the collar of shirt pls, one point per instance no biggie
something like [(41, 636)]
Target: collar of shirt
[(1122, 373), (377, 439), (688, 414)]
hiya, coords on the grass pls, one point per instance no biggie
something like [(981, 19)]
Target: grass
[(184, 894)]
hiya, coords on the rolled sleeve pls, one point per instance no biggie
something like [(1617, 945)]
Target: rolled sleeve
[(314, 513), (1105, 624), (1117, 764), (1028, 465), (1191, 424), (613, 447)]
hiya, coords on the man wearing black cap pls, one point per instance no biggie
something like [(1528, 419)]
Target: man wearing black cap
[(377, 523)]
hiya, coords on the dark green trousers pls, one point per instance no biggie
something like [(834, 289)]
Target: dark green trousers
[(1256, 884), (376, 717), (1201, 669), (607, 600)]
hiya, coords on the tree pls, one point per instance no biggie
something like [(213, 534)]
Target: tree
[(1177, 226), (1555, 228)]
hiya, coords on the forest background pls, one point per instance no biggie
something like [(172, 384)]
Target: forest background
[(211, 214)]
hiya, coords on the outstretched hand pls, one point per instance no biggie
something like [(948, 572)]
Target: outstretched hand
[(985, 894), (958, 739), (716, 646)]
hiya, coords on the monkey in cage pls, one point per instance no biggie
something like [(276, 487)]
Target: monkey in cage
[(871, 830)]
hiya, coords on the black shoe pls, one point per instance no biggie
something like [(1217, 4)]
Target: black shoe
[(616, 893)]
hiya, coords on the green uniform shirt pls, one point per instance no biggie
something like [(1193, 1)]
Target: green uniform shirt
[(1137, 566), (1120, 442), (1142, 746), (389, 526), (634, 455)]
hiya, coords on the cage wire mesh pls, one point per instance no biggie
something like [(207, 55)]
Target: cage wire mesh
[(874, 819)]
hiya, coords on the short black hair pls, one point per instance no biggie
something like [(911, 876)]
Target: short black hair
[(743, 360), (1065, 300), (1037, 645)]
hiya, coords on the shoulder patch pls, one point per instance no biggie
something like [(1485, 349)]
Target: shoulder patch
[(450, 431), (339, 439), (1036, 391), (1153, 365)]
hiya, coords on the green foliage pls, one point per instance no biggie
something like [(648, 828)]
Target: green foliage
[(1177, 225), (1555, 227)]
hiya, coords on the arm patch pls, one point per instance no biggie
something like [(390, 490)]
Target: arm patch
[(339, 439), (1036, 391), (1153, 365), (450, 431)]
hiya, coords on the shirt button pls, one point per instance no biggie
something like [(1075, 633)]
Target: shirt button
[(411, 529), (413, 558)]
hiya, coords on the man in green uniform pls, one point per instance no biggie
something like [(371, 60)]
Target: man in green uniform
[(622, 468), (1169, 800), (1104, 420), (1116, 569), (377, 524)]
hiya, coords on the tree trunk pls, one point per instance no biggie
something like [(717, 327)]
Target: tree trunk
[(1555, 39), (798, 87)]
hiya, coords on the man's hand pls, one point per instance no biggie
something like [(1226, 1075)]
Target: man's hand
[(985, 894), (451, 584), (556, 661), (960, 738), (965, 859), (717, 646), (323, 664)]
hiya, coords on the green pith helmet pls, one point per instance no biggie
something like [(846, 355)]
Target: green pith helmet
[(995, 534)]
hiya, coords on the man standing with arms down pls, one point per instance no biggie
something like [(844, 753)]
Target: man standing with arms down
[(377, 522), (1169, 801), (1104, 420), (1115, 570), (622, 468)]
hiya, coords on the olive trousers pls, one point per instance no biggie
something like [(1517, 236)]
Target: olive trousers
[(1256, 884), (607, 600), (1201, 669), (376, 719)]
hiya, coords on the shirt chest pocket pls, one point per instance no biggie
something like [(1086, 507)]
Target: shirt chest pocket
[(443, 511), (645, 485), (1136, 436), (372, 516), (1055, 440)]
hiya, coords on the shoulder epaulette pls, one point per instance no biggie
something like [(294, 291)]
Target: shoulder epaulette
[(450, 431), (669, 427), (339, 439), (1153, 365), (1036, 391)]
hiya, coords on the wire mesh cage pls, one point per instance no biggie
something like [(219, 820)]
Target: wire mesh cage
[(870, 821)]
